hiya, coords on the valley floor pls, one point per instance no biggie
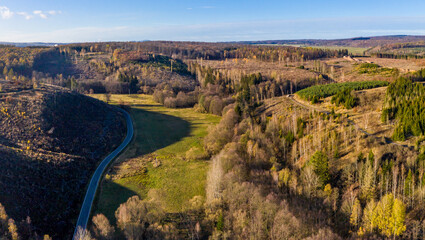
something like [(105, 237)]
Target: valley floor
[(165, 162)]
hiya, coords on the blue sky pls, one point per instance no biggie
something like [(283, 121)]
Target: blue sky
[(204, 20)]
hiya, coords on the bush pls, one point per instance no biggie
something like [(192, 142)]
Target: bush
[(159, 96), (195, 153)]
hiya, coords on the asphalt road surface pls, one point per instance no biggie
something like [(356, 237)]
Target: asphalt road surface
[(83, 218)]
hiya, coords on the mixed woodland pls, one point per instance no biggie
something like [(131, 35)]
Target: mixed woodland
[(300, 173)]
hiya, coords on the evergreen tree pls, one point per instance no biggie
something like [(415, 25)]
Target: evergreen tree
[(320, 163), (408, 183)]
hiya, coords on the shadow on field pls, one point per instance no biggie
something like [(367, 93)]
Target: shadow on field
[(117, 194), (153, 131)]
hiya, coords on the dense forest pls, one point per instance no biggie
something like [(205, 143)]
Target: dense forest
[(405, 104), (174, 73)]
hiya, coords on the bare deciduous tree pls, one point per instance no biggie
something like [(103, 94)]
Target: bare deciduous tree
[(102, 227)]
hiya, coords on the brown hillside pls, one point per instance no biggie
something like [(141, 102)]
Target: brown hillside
[(51, 140)]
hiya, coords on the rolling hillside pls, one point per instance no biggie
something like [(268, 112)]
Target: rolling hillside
[(51, 140)]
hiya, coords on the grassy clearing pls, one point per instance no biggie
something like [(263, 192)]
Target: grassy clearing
[(161, 135)]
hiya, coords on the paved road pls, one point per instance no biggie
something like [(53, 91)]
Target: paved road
[(94, 182)]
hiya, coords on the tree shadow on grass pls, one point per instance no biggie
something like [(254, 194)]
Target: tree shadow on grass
[(112, 195), (153, 131)]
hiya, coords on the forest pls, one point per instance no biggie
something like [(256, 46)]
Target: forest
[(278, 167), (404, 102), (266, 170)]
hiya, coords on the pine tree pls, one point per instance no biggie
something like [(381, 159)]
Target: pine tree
[(320, 164)]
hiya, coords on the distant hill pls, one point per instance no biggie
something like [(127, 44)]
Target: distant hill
[(29, 44), (366, 42)]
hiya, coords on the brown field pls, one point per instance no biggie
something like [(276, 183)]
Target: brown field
[(282, 107), (402, 64), (345, 70), (338, 69), (246, 66)]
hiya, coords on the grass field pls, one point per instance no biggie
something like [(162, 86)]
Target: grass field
[(162, 136)]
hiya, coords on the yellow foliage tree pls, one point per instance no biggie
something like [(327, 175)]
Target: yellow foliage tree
[(399, 215), (355, 213), (387, 216), (368, 220)]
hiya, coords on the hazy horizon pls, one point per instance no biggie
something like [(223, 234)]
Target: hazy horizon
[(208, 21), (230, 41)]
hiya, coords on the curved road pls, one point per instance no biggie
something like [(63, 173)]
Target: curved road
[(83, 218)]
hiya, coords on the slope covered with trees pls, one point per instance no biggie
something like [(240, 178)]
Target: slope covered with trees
[(405, 103), (375, 194)]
